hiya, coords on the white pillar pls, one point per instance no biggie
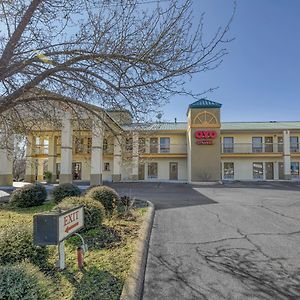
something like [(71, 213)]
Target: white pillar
[(66, 150), (276, 170), (135, 156), (286, 154), (30, 161), (52, 155), (97, 153), (40, 168), (6, 160), (116, 176)]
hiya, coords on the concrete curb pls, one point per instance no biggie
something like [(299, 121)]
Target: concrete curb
[(133, 286)]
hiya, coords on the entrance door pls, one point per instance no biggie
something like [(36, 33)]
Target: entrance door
[(269, 170), (173, 171), (142, 171), (76, 170)]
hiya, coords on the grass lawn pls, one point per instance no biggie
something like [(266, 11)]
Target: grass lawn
[(107, 262)]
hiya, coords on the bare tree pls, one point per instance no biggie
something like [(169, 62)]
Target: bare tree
[(112, 53), (19, 161)]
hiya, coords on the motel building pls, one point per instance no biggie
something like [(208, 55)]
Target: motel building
[(202, 149)]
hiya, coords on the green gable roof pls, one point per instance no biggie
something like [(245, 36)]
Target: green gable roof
[(204, 103)]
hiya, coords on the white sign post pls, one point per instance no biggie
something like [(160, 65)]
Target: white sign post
[(68, 223)]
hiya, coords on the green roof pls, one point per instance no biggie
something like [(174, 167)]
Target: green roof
[(271, 125), (225, 126), (205, 103), (163, 126)]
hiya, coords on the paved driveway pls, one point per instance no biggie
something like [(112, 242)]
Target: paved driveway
[(232, 241)]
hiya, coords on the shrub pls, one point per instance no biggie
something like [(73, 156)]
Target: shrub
[(106, 195), (23, 281), (48, 176), (29, 195), (65, 190), (94, 211), (16, 245)]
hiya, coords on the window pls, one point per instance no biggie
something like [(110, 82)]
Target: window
[(142, 145), (228, 144), (46, 146), (153, 145), (165, 145), (152, 170), (294, 144), (105, 145), (258, 170), (106, 166), (294, 169), (280, 143), (257, 144), (128, 144), (79, 145), (268, 144), (228, 170)]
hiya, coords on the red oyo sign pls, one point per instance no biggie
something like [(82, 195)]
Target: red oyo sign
[(205, 137)]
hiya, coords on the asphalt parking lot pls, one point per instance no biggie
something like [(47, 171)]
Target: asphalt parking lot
[(231, 241)]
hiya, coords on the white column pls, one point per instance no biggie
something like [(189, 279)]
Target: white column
[(97, 153), (30, 161), (40, 168), (116, 176), (52, 155), (286, 154), (6, 160), (135, 156), (66, 150), (276, 170)]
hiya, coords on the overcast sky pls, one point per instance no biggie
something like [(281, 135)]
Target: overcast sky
[(260, 78)]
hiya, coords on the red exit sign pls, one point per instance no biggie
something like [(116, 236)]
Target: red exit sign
[(205, 137)]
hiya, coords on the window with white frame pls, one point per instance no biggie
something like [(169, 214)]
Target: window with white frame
[(228, 143), (294, 144), (164, 145), (295, 169), (228, 170), (258, 170), (257, 145)]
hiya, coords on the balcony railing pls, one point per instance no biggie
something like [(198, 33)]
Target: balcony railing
[(163, 149), (251, 148)]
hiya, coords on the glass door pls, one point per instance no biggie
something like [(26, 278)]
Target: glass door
[(76, 170)]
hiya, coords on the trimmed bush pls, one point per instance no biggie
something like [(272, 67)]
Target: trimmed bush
[(94, 211), (28, 195), (106, 195), (65, 190), (23, 281), (16, 245)]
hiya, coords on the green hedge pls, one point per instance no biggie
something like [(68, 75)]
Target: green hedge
[(23, 282), (65, 190), (16, 245), (106, 195), (28, 195), (94, 211)]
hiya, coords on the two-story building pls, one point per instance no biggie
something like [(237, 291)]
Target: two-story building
[(201, 149)]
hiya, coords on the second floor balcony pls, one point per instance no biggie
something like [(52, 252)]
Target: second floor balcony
[(250, 148)]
